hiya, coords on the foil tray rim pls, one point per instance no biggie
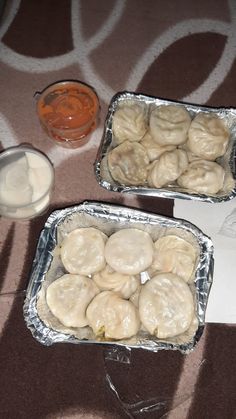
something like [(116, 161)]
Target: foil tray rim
[(148, 191), (43, 256)]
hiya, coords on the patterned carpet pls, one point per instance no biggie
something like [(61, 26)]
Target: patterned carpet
[(183, 50)]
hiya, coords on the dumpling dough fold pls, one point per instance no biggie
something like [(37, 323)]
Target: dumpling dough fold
[(108, 279), (128, 163), (169, 124), (166, 305), (82, 251), (153, 149), (68, 297), (203, 176), (129, 122), (167, 168), (208, 136), (112, 317), (176, 255), (129, 251)]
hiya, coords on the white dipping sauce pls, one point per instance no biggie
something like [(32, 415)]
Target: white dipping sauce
[(26, 179)]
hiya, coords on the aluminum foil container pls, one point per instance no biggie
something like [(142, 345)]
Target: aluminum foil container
[(47, 267), (173, 190)]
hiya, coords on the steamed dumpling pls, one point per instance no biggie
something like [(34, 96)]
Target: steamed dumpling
[(129, 251), (168, 168), (128, 163), (208, 136), (169, 124), (112, 317), (82, 251), (68, 297), (129, 122), (108, 279), (166, 305), (203, 176), (153, 149), (176, 255)]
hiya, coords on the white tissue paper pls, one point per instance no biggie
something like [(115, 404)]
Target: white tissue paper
[(218, 221)]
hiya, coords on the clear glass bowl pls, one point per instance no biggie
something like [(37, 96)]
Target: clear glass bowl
[(26, 182)]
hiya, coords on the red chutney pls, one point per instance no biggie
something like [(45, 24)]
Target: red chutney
[(68, 111)]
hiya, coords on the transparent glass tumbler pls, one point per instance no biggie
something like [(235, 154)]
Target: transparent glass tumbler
[(26, 182)]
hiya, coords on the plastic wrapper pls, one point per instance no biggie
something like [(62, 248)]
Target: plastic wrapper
[(47, 267), (227, 161)]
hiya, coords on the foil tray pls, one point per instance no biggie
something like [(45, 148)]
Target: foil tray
[(109, 218), (171, 191)]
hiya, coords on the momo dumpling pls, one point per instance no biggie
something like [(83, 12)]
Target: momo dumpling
[(153, 149), (129, 122), (169, 124), (166, 305), (128, 163), (68, 297), (108, 279), (129, 251), (208, 136), (203, 176), (176, 255), (82, 251), (167, 168), (112, 317)]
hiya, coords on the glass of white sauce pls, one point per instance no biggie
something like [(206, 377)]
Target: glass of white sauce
[(26, 182)]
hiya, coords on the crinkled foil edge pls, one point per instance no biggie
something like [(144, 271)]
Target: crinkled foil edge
[(106, 144), (43, 258)]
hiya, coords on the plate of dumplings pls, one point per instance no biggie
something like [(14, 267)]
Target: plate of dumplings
[(164, 148), (113, 275)]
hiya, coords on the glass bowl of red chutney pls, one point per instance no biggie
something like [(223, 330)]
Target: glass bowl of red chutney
[(68, 111)]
